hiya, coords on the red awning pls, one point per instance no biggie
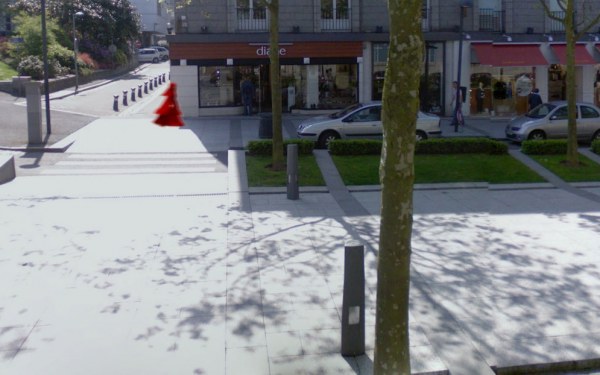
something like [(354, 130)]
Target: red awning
[(509, 54), (582, 56)]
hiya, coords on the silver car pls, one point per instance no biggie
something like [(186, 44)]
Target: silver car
[(148, 55), (357, 122), (549, 120)]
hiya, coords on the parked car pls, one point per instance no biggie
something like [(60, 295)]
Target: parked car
[(162, 51), (148, 55), (359, 121), (549, 120)]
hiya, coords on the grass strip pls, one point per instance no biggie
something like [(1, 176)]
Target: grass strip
[(587, 171), (259, 173)]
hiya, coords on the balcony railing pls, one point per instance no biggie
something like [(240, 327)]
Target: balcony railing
[(252, 19), (555, 25), (491, 20), (336, 19)]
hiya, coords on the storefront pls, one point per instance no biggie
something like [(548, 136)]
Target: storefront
[(314, 75)]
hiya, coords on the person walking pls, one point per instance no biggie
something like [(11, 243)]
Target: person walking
[(457, 101), (247, 89), (534, 99)]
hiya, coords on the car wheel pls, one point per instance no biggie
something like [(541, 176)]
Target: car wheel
[(537, 135), (596, 136), (326, 137), (421, 135), (155, 60)]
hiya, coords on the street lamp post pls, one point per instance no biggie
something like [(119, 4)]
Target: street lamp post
[(77, 14), (464, 4)]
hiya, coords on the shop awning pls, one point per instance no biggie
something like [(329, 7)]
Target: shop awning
[(582, 56), (509, 54)]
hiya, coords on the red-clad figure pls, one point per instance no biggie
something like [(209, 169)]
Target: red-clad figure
[(169, 112)]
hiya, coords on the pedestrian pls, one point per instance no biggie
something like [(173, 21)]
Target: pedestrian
[(457, 107), (247, 89), (534, 99)]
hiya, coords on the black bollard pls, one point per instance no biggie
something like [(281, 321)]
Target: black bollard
[(292, 172), (145, 87), (139, 91), (150, 84), (353, 304), (133, 94), (159, 80), (163, 75), (116, 103), (155, 82), (125, 97)]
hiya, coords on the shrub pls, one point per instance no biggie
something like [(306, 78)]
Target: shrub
[(31, 66), (62, 55), (545, 147), (265, 147), (431, 146), (355, 147), (596, 147)]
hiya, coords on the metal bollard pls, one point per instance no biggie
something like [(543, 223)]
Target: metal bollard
[(116, 103), (164, 79), (292, 171), (155, 82), (353, 305), (145, 87), (133, 94), (159, 79), (125, 97), (150, 84), (139, 91)]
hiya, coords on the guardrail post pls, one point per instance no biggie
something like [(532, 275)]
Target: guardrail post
[(292, 171), (353, 305)]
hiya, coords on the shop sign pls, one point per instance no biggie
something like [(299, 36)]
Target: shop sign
[(265, 51)]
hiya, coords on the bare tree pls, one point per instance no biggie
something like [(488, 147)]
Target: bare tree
[(400, 107), (573, 32)]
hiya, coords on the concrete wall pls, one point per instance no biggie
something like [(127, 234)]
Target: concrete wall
[(186, 78)]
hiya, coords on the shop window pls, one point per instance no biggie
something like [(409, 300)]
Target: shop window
[(500, 91), (337, 85), (335, 15), (220, 85), (251, 15)]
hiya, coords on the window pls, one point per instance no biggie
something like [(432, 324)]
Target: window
[(251, 15), (560, 114), (588, 112), (335, 15), (490, 15), (367, 115)]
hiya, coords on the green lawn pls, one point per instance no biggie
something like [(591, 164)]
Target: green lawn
[(589, 171), (6, 72), (259, 174), (495, 169)]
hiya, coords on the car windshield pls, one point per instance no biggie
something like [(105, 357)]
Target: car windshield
[(345, 111), (541, 110)]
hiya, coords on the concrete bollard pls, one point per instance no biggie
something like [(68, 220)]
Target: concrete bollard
[(125, 97), (139, 91), (145, 87), (34, 112), (292, 172), (116, 103), (353, 305), (133, 94), (150, 84)]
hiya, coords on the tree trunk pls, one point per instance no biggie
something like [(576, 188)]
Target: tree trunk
[(400, 107), (274, 70), (572, 154)]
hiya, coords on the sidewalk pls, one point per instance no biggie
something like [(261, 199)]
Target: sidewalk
[(195, 273)]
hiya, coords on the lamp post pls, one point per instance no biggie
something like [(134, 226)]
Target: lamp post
[(464, 4), (77, 14), (45, 58)]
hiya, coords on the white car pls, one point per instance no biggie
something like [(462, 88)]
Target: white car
[(148, 55), (162, 51), (357, 122)]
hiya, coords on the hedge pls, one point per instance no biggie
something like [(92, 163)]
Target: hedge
[(265, 147), (430, 146), (545, 147)]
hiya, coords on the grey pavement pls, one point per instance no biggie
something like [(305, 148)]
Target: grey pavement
[(124, 257)]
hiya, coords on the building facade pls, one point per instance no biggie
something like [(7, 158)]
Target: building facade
[(333, 53), (155, 17)]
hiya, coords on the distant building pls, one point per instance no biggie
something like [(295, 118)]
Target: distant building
[(155, 17), (333, 53)]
